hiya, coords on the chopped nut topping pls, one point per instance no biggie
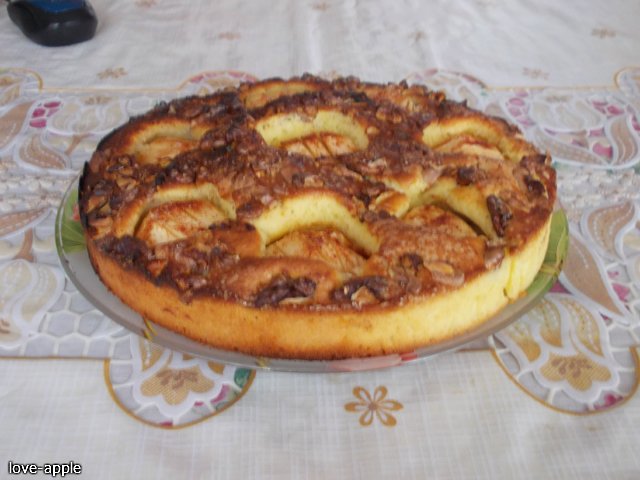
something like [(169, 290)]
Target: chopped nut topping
[(466, 175), (444, 273), (493, 257), (379, 160), (285, 288), (375, 284), (411, 262), (500, 214)]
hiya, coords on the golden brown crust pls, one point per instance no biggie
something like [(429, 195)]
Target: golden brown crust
[(311, 219)]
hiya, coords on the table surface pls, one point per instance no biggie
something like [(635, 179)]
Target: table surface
[(553, 395)]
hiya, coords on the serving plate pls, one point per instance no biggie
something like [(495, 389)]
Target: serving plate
[(73, 255)]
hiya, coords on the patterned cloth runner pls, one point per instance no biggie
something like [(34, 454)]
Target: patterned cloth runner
[(574, 352)]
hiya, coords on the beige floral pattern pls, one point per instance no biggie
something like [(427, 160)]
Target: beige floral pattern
[(603, 32), (116, 72), (8, 81), (97, 100), (562, 355), (88, 115), (150, 383), (571, 348), (574, 351), (584, 129), (13, 222), (578, 370), (585, 273), (5, 328), (35, 152), (27, 291), (560, 110), (535, 73), (9, 93), (171, 389), (229, 36), (376, 406), (321, 6), (26, 248), (521, 334), (174, 385), (13, 83), (12, 121), (605, 225)]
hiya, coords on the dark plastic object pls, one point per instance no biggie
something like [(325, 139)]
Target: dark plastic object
[(54, 23)]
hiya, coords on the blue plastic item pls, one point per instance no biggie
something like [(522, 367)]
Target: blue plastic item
[(54, 22)]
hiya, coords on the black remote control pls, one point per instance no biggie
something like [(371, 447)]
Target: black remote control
[(54, 22)]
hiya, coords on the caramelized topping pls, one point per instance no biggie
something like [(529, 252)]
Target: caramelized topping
[(316, 193)]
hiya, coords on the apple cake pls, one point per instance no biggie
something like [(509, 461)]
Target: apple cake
[(315, 219)]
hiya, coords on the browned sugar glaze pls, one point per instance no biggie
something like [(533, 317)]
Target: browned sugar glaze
[(212, 140)]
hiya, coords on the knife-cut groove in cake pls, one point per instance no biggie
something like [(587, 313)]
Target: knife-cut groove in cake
[(158, 141), (133, 214), (321, 145), (314, 209), (317, 219), (270, 90), (177, 220), (492, 134), (281, 128)]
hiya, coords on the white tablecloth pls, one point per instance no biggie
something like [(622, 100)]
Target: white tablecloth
[(552, 396), (159, 43)]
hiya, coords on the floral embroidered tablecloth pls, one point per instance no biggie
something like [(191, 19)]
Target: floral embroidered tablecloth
[(552, 395)]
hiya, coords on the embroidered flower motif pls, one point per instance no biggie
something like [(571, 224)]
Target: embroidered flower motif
[(229, 35), (97, 100), (112, 73), (578, 370), (377, 406), (535, 73), (174, 385), (603, 33), (320, 6), (558, 98), (172, 389)]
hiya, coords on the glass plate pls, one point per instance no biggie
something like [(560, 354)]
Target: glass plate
[(72, 251)]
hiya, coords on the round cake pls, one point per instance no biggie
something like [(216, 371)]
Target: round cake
[(315, 219)]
